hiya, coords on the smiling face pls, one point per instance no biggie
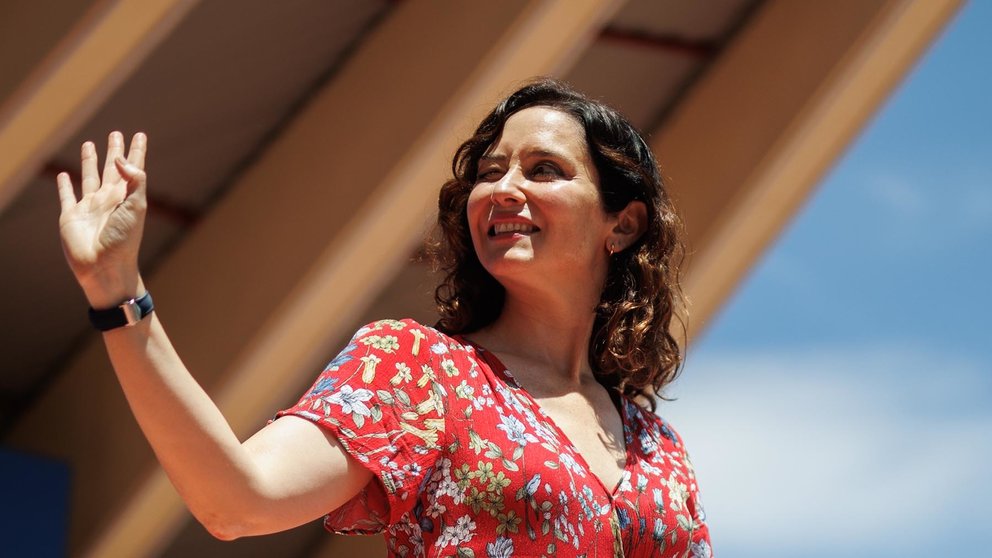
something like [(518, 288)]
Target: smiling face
[(536, 212)]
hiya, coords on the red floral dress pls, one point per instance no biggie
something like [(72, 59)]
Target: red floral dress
[(468, 464)]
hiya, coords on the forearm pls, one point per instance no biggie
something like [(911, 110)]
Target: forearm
[(191, 438)]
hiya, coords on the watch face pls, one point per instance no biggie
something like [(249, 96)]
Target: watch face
[(127, 314), (130, 312)]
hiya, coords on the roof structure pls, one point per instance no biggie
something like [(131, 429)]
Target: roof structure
[(295, 152)]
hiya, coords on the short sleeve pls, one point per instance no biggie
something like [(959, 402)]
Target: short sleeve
[(382, 400)]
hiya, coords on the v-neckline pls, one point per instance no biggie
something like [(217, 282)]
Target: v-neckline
[(507, 376)]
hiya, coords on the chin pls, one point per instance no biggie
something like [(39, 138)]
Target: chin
[(509, 264)]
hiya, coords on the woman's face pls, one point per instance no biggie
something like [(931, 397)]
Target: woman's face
[(536, 213)]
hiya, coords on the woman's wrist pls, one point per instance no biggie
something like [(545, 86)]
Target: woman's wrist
[(109, 290)]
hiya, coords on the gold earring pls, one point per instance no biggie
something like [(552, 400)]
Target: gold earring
[(613, 248)]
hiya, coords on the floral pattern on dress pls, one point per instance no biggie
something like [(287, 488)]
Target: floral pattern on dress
[(468, 464)]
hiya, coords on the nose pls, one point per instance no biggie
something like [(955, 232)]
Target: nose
[(507, 190)]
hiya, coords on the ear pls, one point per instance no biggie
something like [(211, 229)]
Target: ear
[(631, 222)]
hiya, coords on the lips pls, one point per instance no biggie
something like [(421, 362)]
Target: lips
[(511, 228), (503, 228)]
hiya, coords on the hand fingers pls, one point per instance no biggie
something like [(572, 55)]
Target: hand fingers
[(139, 146), (67, 197), (115, 149), (136, 178), (91, 178)]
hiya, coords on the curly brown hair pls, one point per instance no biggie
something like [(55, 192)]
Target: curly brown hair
[(632, 346)]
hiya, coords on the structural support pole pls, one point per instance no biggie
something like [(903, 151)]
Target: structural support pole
[(74, 79)]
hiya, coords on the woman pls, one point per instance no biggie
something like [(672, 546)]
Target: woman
[(561, 251)]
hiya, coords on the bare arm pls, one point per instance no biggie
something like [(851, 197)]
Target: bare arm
[(290, 472)]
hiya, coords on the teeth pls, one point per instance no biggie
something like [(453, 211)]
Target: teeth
[(513, 227)]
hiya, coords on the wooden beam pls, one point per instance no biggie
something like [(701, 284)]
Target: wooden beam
[(753, 137), (74, 79), (258, 293)]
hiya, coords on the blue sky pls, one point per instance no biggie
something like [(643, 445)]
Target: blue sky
[(841, 403)]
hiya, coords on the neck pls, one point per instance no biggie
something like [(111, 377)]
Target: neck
[(546, 332)]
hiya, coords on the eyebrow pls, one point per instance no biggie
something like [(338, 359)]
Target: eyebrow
[(492, 159), (534, 153)]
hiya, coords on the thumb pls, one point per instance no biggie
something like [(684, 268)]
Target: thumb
[(136, 178)]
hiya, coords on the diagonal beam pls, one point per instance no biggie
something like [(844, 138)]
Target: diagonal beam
[(746, 146), (300, 244), (74, 79)]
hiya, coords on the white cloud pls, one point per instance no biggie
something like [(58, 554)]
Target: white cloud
[(883, 450)]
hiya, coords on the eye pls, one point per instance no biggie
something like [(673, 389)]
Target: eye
[(485, 176), (546, 169), (488, 174)]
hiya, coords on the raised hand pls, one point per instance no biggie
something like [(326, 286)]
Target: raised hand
[(101, 231)]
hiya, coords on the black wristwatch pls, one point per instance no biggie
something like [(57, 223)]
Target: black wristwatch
[(127, 313)]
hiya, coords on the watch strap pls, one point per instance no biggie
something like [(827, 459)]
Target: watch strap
[(125, 314)]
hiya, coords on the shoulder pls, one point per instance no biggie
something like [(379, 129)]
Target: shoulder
[(407, 343), (389, 329), (406, 336), (391, 337)]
